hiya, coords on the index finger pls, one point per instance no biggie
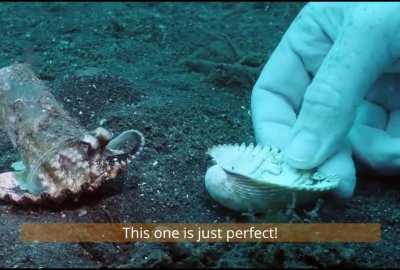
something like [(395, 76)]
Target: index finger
[(279, 90)]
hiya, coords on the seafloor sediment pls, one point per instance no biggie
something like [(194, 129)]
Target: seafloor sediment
[(182, 74)]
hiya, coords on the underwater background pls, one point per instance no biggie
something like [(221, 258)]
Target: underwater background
[(182, 74)]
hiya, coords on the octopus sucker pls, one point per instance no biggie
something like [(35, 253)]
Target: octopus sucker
[(256, 179), (60, 158)]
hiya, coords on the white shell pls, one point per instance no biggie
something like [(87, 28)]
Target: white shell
[(255, 179)]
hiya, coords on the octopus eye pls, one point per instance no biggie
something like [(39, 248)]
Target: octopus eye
[(91, 142), (103, 136)]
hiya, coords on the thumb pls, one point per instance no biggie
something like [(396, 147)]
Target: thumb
[(355, 60)]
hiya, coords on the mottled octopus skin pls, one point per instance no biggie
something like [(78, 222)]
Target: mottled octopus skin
[(60, 156)]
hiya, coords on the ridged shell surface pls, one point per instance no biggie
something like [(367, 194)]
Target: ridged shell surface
[(256, 179)]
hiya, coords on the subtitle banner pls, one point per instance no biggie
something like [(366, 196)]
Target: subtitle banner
[(202, 232)]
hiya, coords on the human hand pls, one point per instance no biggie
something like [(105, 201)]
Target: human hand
[(376, 132), (306, 98)]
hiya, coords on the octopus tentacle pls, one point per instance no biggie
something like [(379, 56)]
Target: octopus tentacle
[(113, 160)]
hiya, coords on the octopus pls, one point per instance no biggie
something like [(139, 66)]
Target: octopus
[(60, 159), (255, 179)]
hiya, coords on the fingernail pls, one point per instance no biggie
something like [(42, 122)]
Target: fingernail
[(302, 148)]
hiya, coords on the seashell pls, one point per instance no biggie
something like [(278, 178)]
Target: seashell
[(250, 178)]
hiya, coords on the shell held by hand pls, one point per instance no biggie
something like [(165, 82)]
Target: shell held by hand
[(255, 179)]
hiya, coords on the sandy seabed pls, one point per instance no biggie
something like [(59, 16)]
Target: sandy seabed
[(182, 74)]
